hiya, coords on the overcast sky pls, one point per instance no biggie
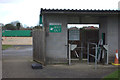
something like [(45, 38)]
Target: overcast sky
[(27, 11)]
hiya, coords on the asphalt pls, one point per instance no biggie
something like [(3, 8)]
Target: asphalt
[(17, 64)]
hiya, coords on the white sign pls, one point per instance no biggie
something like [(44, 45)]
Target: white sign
[(55, 24), (74, 35)]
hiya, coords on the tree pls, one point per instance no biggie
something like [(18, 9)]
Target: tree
[(15, 25), (18, 25), (9, 27), (37, 27)]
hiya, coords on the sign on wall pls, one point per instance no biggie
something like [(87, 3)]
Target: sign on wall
[(55, 27)]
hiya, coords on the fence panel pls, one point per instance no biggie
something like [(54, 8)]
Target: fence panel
[(16, 33), (0, 51), (39, 46)]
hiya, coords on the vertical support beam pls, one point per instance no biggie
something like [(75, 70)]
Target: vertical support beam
[(107, 55), (69, 60), (88, 53), (1, 51), (96, 57), (81, 51)]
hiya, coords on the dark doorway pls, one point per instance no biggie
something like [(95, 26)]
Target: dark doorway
[(78, 36)]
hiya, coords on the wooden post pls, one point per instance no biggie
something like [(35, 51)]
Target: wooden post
[(0, 51)]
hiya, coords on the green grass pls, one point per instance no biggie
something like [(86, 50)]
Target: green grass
[(6, 47), (113, 76)]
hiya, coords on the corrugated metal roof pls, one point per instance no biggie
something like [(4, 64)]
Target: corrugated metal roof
[(99, 11)]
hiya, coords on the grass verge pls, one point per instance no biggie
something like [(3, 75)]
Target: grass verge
[(113, 76), (6, 47)]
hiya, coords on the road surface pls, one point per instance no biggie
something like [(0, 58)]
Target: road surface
[(17, 64)]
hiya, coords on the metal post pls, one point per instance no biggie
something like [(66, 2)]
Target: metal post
[(81, 51), (99, 49), (107, 55), (106, 51), (76, 54), (69, 60), (1, 51), (96, 57), (88, 53)]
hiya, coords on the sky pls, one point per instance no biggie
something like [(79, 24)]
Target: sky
[(27, 11), (82, 25)]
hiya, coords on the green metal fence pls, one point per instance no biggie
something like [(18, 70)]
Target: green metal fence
[(16, 33)]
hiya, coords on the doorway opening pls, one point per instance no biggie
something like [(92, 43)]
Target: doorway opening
[(78, 37)]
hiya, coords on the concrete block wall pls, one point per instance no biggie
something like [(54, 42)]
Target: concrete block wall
[(112, 36), (73, 19), (56, 51), (119, 35), (103, 27), (109, 26), (89, 19)]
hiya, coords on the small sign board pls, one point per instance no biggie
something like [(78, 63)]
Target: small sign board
[(55, 28), (74, 35)]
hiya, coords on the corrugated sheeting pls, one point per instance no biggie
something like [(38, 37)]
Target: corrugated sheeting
[(102, 10), (17, 33), (79, 11)]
